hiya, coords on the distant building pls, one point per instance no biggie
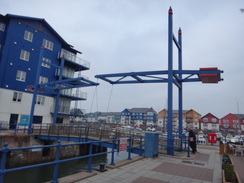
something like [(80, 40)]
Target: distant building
[(139, 116), (189, 117), (113, 117), (232, 123), (103, 117), (209, 122)]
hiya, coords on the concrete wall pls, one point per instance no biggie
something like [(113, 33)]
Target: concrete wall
[(32, 156)]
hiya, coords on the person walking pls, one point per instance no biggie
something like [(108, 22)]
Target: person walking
[(192, 140)]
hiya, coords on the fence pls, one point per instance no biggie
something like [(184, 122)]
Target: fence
[(5, 151), (180, 143)]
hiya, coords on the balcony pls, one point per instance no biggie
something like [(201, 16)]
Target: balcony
[(74, 93), (73, 61), (69, 73), (61, 109), (67, 110)]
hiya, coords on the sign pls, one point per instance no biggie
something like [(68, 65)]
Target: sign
[(24, 120), (122, 144), (212, 138)]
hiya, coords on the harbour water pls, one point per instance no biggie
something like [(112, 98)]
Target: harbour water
[(45, 173)]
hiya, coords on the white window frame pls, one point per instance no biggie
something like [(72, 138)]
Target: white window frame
[(21, 75), (2, 27), (17, 96), (205, 119), (40, 100), (225, 121), (226, 126), (43, 79), (46, 64), (28, 36), (24, 55), (48, 44)]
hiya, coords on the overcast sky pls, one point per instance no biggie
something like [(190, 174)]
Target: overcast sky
[(132, 35)]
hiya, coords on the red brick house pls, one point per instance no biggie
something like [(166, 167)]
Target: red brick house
[(209, 122), (231, 123)]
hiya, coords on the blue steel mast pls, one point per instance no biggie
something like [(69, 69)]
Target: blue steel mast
[(170, 141)]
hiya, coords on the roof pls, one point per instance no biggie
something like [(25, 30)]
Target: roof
[(209, 114), (141, 110), (65, 44), (177, 111), (240, 116)]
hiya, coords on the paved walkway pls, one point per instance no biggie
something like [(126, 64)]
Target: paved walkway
[(238, 162), (203, 167)]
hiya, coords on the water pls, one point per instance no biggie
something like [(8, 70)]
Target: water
[(45, 173)]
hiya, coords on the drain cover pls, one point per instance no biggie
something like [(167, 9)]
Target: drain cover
[(193, 163), (189, 162), (197, 163)]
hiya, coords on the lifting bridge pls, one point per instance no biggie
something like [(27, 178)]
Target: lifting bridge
[(170, 76)]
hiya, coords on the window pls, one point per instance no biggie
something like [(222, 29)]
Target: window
[(225, 121), (214, 120), (21, 75), (226, 126), (43, 79), (2, 27), (235, 121), (28, 36), (40, 100), (205, 119), (47, 44), (24, 55), (236, 126), (46, 64), (17, 96), (37, 119)]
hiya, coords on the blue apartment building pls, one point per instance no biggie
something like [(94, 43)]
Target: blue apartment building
[(139, 116), (36, 61)]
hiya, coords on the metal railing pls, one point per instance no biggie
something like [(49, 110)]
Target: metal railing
[(179, 143), (5, 151), (72, 57), (83, 131)]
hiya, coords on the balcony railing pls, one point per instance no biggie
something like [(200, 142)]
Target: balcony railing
[(67, 73), (62, 109), (74, 93), (73, 58), (68, 110)]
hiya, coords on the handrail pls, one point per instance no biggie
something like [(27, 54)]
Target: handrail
[(180, 142), (5, 151)]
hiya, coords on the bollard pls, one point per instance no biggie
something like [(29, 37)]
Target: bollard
[(102, 167)]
